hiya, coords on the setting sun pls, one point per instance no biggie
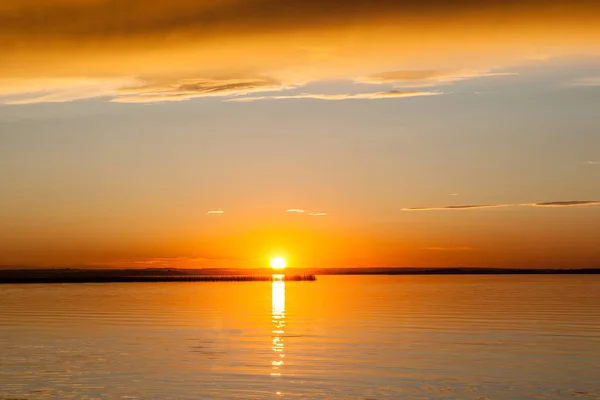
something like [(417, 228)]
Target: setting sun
[(278, 263)]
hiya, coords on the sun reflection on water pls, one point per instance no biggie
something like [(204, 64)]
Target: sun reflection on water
[(278, 320)]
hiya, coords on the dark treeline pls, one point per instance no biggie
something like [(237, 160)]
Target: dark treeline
[(67, 275), (66, 278), (453, 271)]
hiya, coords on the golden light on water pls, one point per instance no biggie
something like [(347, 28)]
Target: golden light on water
[(278, 297), (278, 262), (278, 320)]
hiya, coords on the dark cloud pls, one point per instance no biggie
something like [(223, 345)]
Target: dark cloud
[(567, 203), (92, 21), (477, 206), (120, 18)]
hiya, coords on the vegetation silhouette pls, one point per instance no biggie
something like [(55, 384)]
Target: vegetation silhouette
[(68, 278)]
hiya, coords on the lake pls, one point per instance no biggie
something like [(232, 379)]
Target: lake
[(341, 337)]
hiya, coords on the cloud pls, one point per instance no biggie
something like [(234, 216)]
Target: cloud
[(591, 81), (58, 90), (186, 89), (463, 207), (425, 78), (593, 162), (313, 214), (182, 49), (567, 203), (478, 206), (364, 96), (175, 90), (164, 261), (82, 20), (175, 262), (462, 248), (215, 212)]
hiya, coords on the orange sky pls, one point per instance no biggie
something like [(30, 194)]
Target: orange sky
[(124, 126)]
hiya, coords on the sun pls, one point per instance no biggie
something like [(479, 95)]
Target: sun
[(278, 263)]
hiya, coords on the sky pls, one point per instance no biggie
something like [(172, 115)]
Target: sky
[(201, 134)]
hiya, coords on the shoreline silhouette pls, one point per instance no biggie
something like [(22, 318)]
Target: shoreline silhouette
[(94, 278), (68, 275)]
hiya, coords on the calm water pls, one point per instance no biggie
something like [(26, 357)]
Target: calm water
[(343, 337)]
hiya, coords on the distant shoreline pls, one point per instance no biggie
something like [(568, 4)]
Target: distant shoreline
[(89, 278), (456, 271), (67, 275)]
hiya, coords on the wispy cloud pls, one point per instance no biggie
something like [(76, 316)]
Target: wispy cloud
[(185, 89), (332, 97), (592, 162), (121, 91), (460, 248), (461, 207), (165, 261), (567, 203), (176, 262), (215, 212), (129, 90), (301, 211), (426, 78), (590, 81), (59, 90), (571, 203)]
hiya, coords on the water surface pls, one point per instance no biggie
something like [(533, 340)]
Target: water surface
[(342, 337)]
